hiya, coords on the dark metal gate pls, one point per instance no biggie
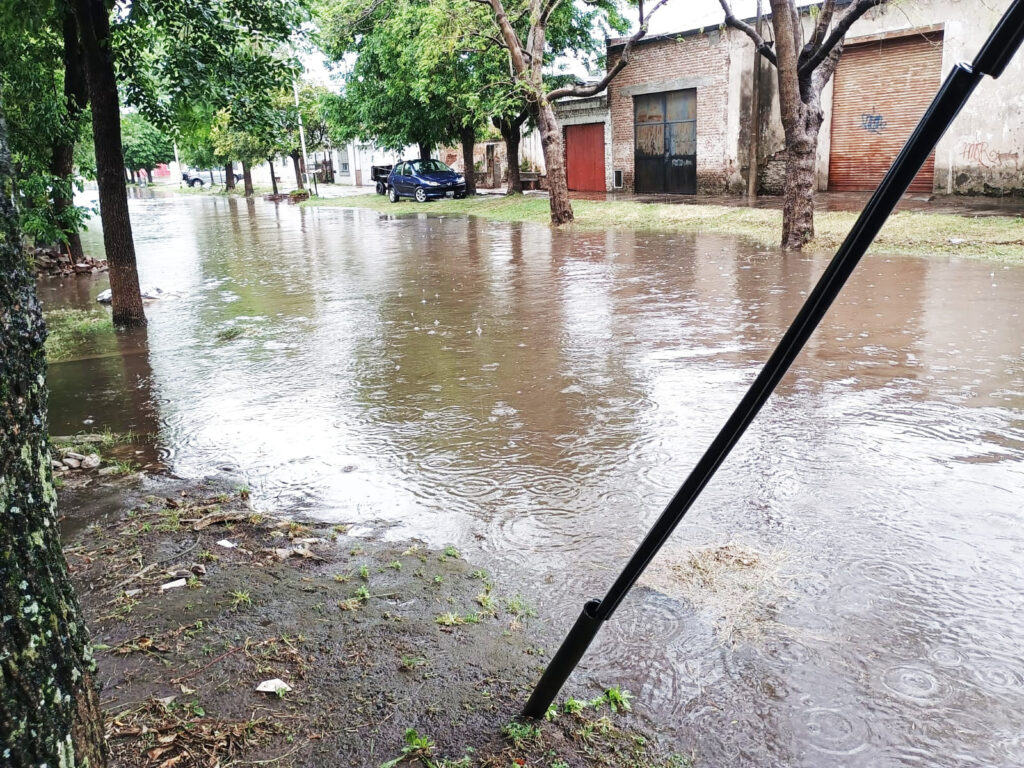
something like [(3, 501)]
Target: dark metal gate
[(665, 155)]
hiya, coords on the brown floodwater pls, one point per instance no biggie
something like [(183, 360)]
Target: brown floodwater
[(534, 397)]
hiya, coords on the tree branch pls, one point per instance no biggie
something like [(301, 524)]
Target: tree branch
[(591, 90), (759, 43), (547, 10), (857, 9), (821, 27)]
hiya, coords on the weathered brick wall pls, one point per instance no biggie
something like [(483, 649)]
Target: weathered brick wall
[(700, 61)]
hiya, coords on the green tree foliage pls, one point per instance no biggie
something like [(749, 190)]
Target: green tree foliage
[(145, 146), (399, 91), (39, 120)]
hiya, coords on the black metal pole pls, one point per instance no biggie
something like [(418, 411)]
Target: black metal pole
[(961, 82)]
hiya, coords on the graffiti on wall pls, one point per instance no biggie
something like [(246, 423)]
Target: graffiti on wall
[(872, 122), (978, 152)]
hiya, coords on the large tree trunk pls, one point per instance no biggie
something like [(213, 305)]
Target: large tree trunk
[(247, 177), (467, 135), (229, 175), (798, 193), (298, 170), (424, 151), (800, 108), (49, 708), (94, 33), (149, 175), (273, 175), (554, 160), (76, 96)]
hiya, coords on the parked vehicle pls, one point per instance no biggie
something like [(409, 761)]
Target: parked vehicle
[(379, 174), (198, 178), (424, 180)]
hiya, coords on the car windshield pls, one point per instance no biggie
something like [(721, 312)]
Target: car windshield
[(428, 166)]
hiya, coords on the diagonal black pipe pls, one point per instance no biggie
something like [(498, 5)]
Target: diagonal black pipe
[(996, 53)]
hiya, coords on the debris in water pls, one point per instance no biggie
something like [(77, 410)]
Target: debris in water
[(738, 589)]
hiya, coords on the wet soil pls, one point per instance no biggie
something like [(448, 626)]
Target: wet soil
[(391, 650)]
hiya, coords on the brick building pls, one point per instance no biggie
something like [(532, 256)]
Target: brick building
[(679, 114), (674, 101)]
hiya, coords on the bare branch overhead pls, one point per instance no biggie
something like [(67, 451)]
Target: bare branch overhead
[(590, 90), (857, 9), (762, 47)]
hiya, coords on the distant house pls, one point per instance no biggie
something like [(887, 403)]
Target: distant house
[(680, 111)]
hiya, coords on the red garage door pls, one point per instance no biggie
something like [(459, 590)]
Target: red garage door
[(882, 89), (584, 157)]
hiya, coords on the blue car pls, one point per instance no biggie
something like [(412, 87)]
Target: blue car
[(424, 180)]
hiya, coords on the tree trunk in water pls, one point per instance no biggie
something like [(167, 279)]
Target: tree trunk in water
[(468, 138), (62, 166), (94, 33), (424, 151), (273, 174), (229, 175), (49, 708), (298, 170), (247, 177), (554, 159), (135, 177), (798, 192), (76, 97), (149, 175)]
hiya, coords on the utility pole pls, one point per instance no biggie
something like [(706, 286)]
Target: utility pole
[(302, 133), (755, 124)]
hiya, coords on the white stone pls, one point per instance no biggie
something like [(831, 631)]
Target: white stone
[(172, 585), (91, 461), (226, 544)]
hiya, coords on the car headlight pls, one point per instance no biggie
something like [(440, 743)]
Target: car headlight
[(460, 179), (430, 183)]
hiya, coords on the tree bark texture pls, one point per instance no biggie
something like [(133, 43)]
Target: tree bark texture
[(298, 170), (49, 708), (247, 178), (554, 160), (94, 33), (467, 135), (76, 97), (802, 116), (424, 150), (229, 175)]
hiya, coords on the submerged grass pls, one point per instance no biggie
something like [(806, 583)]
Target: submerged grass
[(907, 233), (68, 330), (739, 590)]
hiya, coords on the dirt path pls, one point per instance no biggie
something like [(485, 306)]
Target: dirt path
[(391, 651)]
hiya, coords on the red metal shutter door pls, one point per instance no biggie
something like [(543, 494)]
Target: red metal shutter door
[(584, 157), (882, 89)]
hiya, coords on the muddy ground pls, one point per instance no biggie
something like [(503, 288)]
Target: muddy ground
[(391, 651)]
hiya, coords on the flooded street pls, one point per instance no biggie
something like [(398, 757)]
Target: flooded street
[(535, 397)]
